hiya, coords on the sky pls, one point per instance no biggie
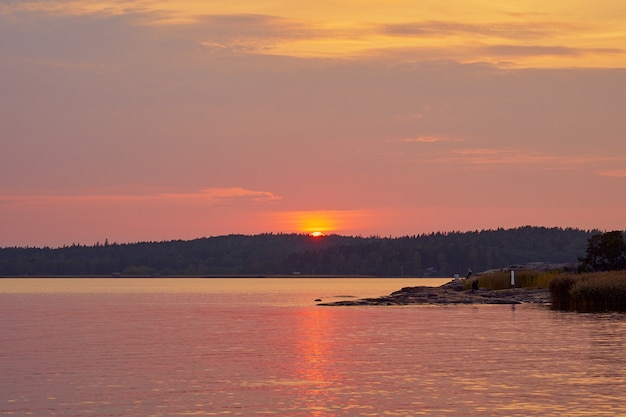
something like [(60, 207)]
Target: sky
[(151, 120)]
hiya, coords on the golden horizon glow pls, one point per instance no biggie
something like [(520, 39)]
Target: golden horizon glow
[(320, 222), (316, 223)]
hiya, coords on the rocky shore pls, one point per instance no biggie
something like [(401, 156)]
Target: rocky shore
[(449, 294)]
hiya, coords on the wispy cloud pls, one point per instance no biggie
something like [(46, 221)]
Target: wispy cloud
[(71, 7), (222, 194), (511, 30), (543, 50), (206, 196), (429, 139), (621, 173), (409, 117), (502, 156), (285, 30), (422, 139)]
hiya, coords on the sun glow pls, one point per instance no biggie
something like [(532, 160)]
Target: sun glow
[(314, 223), (317, 223)]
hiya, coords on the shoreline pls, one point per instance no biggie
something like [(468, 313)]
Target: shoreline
[(451, 293)]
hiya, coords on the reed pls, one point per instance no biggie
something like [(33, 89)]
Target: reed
[(560, 288), (591, 292), (523, 279)]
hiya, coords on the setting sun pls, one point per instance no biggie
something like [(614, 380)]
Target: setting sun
[(317, 223)]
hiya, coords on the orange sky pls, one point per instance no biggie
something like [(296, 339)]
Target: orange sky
[(158, 120)]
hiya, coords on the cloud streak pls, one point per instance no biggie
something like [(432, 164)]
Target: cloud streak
[(511, 156), (438, 29), (542, 50), (429, 139), (617, 173), (210, 196)]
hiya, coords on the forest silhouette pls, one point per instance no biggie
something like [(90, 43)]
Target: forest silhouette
[(435, 254)]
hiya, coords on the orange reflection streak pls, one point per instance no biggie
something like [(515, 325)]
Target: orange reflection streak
[(316, 361)]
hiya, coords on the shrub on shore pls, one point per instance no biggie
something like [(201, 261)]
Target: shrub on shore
[(599, 291)]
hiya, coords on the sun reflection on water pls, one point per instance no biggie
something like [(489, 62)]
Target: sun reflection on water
[(315, 360)]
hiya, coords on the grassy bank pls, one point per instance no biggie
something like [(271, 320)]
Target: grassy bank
[(523, 279), (599, 291), (589, 292)]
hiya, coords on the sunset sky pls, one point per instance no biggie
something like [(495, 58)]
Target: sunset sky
[(152, 120)]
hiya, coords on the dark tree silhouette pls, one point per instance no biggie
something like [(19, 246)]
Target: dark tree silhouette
[(605, 252)]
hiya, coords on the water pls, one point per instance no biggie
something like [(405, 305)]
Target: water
[(162, 347)]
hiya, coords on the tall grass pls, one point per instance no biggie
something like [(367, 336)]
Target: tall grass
[(590, 292), (599, 291), (523, 279), (560, 288)]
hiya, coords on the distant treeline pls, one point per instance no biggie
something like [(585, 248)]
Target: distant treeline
[(435, 254)]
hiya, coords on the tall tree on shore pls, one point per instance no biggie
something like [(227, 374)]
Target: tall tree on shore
[(605, 252)]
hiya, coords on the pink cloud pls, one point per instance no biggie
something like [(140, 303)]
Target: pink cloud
[(613, 173), (498, 156), (423, 139), (429, 139), (209, 196), (409, 117), (226, 194)]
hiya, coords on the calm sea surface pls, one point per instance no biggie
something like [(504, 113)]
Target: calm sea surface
[(254, 347)]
